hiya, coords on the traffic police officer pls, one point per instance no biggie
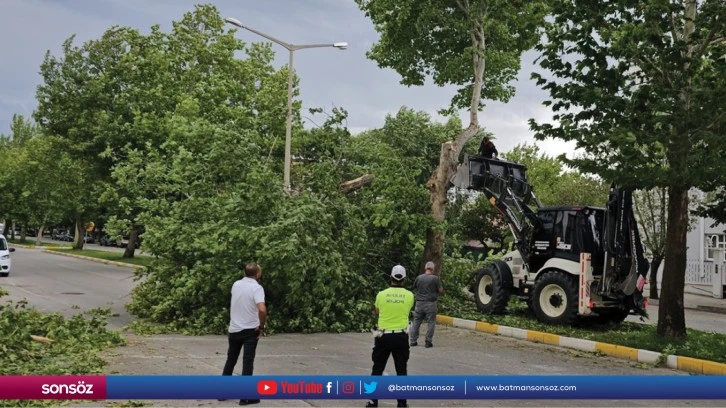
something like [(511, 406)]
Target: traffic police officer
[(393, 307)]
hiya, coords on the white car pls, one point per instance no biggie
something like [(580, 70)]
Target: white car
[(5, 256)]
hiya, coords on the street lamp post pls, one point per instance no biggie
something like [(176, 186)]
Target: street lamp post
[(291, 48)]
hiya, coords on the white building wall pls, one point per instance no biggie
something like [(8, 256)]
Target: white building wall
[(693, 241)]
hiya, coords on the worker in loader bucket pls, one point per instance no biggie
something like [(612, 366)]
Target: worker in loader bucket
[(487, 149)]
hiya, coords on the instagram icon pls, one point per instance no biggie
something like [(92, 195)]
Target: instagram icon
[(348, 387)]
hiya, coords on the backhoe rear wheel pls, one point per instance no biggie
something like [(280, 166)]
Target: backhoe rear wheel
[(554, 298), (490, 290)]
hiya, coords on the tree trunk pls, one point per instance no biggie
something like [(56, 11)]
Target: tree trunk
[(39, 235), (80, 233), (438, 184), (12, 232), (6, 228), (671, 317), (131, 246), (654, 266), (23, 233)]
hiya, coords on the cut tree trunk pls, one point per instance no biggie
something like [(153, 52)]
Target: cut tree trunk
[(23, 233), (355, 184), (654, 266), (671, 317), (80, 232), (438, 186), (131, 246)]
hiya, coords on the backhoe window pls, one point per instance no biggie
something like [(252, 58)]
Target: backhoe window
[(566, 231), (547, 218)]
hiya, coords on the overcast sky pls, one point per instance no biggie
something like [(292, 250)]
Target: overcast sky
[(329, 77)]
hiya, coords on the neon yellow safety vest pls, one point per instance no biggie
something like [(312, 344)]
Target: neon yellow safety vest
[(394, 305)]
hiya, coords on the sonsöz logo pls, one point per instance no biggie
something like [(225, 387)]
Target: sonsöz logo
[(55, 389)]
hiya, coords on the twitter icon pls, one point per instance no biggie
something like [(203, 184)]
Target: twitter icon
[(369, 388)]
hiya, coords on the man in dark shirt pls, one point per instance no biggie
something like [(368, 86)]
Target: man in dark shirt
[(487, 149), (427, 287)]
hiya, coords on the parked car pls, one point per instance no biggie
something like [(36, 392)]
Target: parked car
[(56, 234), (68, 237), (88, 239), (124, 242), (5, 256), (106, 241)]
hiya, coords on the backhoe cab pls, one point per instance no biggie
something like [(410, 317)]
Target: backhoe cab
[(568, 261)]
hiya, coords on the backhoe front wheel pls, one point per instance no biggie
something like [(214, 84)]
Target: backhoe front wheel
[(491, 290), (554, 298)]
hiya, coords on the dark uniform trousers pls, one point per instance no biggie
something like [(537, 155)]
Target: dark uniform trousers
[(395, 344)]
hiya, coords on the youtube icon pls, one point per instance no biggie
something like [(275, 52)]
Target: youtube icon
[(266, 387)]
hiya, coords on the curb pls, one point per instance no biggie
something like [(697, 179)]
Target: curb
[(691, 365), (711, 309), (700, 308), (88, 258)]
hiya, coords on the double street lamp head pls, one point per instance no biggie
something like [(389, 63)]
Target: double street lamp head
[(292, 48)]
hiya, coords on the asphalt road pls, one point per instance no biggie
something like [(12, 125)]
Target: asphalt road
[(54, 283), (456, 352)]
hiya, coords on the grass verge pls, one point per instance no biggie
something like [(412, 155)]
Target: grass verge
[(75, 347), (109, 256), (698, 344)]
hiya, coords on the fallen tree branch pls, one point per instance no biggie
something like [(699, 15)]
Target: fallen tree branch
[(41, 339), (355, 184)]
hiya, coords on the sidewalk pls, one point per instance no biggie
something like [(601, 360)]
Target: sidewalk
[(696, 298)]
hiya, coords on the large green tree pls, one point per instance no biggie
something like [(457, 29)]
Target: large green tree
[(473, 44), (40, 181), (51, 180), (641, 86), (115, 95), (73, 101), (16, 203)]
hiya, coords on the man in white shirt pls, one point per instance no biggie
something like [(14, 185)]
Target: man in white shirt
[(248, 315)]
